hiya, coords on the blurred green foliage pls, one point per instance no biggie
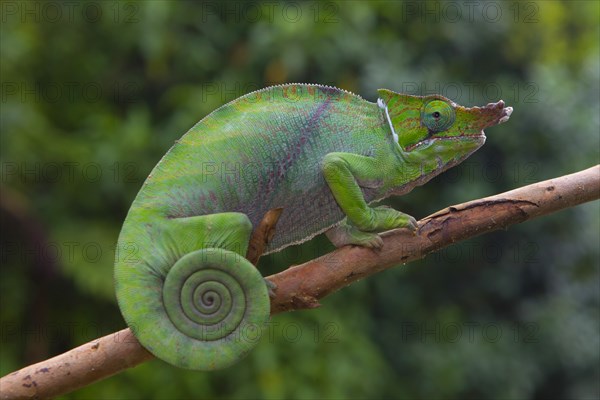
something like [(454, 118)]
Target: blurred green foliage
[(93, 94)]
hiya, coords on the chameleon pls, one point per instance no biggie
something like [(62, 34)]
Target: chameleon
[(320, 153)]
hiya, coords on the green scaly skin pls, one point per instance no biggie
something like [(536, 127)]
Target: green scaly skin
[(320, 153)]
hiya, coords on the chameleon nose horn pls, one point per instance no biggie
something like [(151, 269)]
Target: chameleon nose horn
[(506, 112), (498, 111), (498, 105)]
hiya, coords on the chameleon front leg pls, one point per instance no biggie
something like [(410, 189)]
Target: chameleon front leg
[(343, 172)]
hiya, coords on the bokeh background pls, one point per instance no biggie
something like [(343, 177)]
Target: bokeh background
[(94, 93)]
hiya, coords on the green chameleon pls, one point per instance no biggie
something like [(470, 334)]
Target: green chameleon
[(322, 154)]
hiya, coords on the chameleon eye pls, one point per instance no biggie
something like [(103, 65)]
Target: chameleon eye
[(437, 115)]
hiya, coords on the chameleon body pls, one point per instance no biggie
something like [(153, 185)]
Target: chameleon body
[(320, 153)]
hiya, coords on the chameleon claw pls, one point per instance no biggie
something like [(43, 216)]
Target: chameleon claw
[(375, 242), (413, 226), (271, 287)]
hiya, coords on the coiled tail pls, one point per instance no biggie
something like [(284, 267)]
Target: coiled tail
[(213, 305)]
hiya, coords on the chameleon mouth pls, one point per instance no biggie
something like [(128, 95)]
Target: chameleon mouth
[(478, 137)]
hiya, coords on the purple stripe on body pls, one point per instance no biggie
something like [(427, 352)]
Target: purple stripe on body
[(286, 160)]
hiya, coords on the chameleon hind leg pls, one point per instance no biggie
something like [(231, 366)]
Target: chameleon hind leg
[(230, 231), (210, 308)]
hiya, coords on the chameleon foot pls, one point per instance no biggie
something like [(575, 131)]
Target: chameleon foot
[(386, 218), (345, 233)]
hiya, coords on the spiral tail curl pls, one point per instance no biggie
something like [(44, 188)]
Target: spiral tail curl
[(217, 303)]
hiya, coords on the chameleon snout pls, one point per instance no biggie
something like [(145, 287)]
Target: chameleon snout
[(499, 112), (492, 114)]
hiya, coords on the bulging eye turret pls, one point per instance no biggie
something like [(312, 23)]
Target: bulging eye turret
[(437, 115)]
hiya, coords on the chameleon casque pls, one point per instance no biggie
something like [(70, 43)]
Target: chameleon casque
[(322, 154)]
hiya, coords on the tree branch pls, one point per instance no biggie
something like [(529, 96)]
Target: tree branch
[(301, 286)]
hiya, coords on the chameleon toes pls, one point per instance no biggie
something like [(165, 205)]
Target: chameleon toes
[(375, 242), (413, 225), (271, 288)]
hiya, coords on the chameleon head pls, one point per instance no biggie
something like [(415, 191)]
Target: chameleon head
[(434, 127)]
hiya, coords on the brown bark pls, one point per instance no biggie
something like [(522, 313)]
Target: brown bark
[(301, 286), (76, 368)]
